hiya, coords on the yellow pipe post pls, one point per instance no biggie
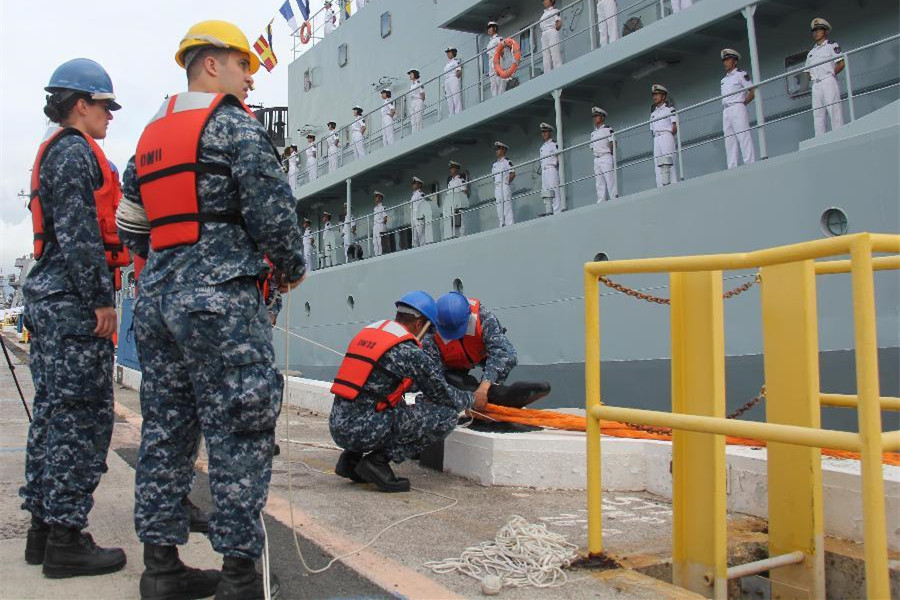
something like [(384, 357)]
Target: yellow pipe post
[(791, 359), (875, 535), (698, 459), (592, 399)]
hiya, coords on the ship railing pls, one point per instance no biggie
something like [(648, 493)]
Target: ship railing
[(699, 152), (792, 429), (574, 41)]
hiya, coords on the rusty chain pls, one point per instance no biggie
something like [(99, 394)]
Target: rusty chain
[(657, 300), (736, 414)]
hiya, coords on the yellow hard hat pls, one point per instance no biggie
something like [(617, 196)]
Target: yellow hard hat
[(220, 34)]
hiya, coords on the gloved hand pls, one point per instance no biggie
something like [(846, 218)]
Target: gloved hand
[(519, 394), (461, 380)]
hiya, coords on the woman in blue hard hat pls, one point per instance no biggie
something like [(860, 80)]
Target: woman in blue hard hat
[(69, 303)]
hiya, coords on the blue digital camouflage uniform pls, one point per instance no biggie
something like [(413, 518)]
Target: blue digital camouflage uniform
[(205, 343), (70, 366), (501, 356), (406, 430)]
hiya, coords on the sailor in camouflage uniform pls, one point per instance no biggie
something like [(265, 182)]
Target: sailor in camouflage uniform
[(370, 419), (69, 309), (204, 338)]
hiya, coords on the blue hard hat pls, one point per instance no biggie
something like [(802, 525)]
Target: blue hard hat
[(84, 75), (422, 302), (453, 311)]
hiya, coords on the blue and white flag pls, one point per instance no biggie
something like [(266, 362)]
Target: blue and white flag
[(304, 8), (288, 13)]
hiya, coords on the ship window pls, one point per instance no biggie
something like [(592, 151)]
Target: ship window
[(307, 81), (385, 24), (600, 256), (351, 302), (458, 285), (834, 222), (307, 308), (343, 55)]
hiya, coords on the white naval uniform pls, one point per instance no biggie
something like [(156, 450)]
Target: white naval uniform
[(293, 161), (736, 118), (329, 246), (607, 21), (678, 5), (308, 244), (330, 20), (347, 235), (550, 172), (361, 3), (312, 165), (502, 169), (498, 84), (550, 39), (663, 139), (422, 214), (453, 86), (416, 104), (357, 134), (456, 201), (826, 93), (604, 167), (387, 122), (334, 149), (378, 228)]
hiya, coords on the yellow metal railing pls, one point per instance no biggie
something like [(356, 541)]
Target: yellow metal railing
[(793, 405)]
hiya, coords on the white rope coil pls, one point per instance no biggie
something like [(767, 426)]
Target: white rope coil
[(131, 217), (522, 554)]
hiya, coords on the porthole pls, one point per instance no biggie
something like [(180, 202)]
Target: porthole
[(834, 222), (351, 302), (307, 308), (458, 285), (600, 256)]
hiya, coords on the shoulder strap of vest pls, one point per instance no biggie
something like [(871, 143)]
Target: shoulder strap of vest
[(49, 143)]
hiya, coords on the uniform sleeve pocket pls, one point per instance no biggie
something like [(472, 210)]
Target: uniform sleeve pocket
[(252, 391)]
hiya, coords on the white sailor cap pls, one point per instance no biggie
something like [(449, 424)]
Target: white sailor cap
[(327, 2), (450, 49), (359, 108), (658, 89), (596, 110), (417, 180), (311, 135), (332, 123), (377, 193), (385, 91), (307, 220), (501, 145), (416, 71), (546, 127), (819, 23), (325, 213), (453, 163), (493, 24), (730, 53)]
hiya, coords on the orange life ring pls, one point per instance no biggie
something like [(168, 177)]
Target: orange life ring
[(498, 55), (305, 32)]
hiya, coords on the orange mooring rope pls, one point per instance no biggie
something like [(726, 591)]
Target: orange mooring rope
[(557, 420)]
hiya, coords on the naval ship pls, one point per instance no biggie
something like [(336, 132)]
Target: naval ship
[(802, 187)]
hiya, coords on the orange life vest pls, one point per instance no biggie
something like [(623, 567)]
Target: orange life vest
[(106, 201), (468, 351), (363, 354), (167, 164)]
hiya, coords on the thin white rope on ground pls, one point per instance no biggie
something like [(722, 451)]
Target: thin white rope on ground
[(522, 554)]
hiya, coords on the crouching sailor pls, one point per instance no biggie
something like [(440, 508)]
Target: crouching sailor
[(370, 419)]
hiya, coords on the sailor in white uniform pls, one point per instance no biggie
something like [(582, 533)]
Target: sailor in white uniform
[(551, 23), (348, 230), (663, 126), (361, 3), (333, 142), (498, 84), (737, 92), (454, 222), (309, 243), (679, 5), (388, 110), (328, 253), (503, 176), (293, 168), (607, 21), (453, 82), (379, 223), (312, 164), (826, 93), (330, 18), (550, 169), (604, 166), (416, 100), (421, 215), (358, 132)]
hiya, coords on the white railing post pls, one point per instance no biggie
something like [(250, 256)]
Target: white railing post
[(557, 105), (849, 88), (594, 19), (678, 148), (531, 32), (749, 12)]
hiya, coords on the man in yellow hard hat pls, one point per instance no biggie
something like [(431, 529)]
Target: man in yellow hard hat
[(206, 199)]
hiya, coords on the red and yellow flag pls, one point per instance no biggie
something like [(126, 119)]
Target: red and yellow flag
[(263, 47)]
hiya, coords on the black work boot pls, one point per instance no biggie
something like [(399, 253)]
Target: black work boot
[(346, 466), (199, 520), (240, 581), (165, 577), (36, 541), (375, 468), (73, 553), (518, 394)]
